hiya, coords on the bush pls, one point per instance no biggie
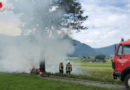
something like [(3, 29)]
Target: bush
[(100, 58)]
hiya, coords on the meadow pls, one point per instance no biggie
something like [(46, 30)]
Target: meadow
[(96, 71), (33, 82), (91, 71), (99, 72)]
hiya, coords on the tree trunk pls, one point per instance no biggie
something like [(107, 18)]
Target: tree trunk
[(42, 66)]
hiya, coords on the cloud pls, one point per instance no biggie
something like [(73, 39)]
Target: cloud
[(108, 22), (9, 29), (9, 24)]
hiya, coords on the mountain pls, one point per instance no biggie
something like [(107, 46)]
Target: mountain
[(108, 51), (82, 49)]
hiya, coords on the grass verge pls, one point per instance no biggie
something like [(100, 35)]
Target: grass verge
[(32, 82)]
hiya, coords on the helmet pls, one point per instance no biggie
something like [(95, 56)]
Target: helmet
[(68, 61)]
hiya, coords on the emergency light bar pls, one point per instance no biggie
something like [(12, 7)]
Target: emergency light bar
[(122, 39)]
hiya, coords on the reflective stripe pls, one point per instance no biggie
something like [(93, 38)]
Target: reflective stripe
[(68, 68)]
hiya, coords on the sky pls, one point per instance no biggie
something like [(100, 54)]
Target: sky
[(108, 22)]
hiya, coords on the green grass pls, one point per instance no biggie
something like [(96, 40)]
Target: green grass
[(99, 72), (95, 71), (32, 82)]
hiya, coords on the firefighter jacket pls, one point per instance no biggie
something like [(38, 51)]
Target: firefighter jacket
[(61, 67), (68, 67)]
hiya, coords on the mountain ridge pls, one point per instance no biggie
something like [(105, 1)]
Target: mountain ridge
[(82, 49)]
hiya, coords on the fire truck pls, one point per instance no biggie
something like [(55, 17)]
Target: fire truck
[(121, 62)]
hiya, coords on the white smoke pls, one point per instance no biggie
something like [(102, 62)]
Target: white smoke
[(42, 37)]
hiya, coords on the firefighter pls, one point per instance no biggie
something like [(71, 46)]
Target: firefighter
[(61, 68), (68, 68)]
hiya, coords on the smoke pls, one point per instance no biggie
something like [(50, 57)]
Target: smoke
[(42, 37)]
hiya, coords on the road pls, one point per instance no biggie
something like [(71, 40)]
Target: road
[(86, 82)]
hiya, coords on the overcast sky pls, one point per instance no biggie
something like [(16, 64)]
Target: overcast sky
[(108, 22)]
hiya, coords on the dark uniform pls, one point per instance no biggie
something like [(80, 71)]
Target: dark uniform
[(61, 68)]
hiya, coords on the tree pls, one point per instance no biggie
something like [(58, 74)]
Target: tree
[(74, 14), (36, 14), (100, 58)]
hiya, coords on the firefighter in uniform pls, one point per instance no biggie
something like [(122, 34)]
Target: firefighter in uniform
[(68, 68), (61, 68)]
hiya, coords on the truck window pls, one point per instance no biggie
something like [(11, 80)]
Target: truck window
[(120, 51), (126, 49)]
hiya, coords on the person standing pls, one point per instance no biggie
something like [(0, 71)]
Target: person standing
[(68, 68), (61, 68)]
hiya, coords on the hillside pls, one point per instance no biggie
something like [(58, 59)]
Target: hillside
[(82, 49), (109, 51)]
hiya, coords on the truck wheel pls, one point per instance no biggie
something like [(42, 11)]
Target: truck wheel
[(127, 81)]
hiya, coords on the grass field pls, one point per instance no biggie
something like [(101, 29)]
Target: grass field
[(96, 71), (32, 82), (91, 71), (99, 71)]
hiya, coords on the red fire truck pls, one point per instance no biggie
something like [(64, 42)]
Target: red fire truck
[(121, 62)]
